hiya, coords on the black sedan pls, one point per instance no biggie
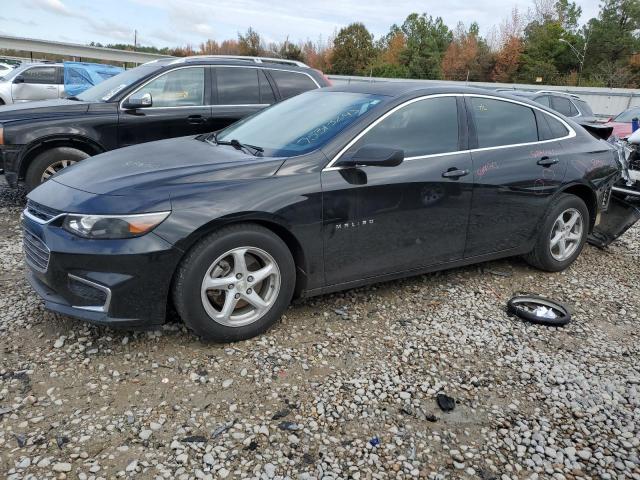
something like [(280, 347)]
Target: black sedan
[(326, 191)]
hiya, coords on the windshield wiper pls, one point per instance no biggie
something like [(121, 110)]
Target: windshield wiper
[(254, 150), (73, 97)]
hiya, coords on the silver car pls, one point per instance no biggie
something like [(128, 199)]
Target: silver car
[(33, 81)]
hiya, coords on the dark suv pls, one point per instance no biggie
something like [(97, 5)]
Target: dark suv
[(157, 100), (568, 104)]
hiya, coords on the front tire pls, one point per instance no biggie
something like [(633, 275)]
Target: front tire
[(562, 235), (50, 162), (234, 283)]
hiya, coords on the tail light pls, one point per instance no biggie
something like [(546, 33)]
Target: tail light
[(326, 79)]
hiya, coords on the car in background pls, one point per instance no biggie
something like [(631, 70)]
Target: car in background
[(45, 81), (161, 99), (326, 191), (80, 76), (32, 81), (5, 68), (569, 105), (621, 123)]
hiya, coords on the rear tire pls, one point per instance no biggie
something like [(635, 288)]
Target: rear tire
[(234, 283), (562, 235), (49, 162)]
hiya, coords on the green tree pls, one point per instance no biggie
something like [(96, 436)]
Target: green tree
[(427, 41), (547, 43), (352, 50), (568, 13), (291, 51), (612, 39), (250, 43)]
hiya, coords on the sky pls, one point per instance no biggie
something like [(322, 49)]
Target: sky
[(173, 23)]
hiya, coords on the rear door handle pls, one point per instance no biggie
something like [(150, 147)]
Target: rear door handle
[(195, 119), (547, 161), (455, 173)]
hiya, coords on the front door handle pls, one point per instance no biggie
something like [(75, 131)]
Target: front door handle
[(195, 119), (455, 173), (547, 161)]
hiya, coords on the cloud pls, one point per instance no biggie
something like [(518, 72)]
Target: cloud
[(178, 22), (56, 7)]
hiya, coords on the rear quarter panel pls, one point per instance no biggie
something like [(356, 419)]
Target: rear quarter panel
[(591, 162)]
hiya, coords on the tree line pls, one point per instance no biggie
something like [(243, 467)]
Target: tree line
[(548, 44)]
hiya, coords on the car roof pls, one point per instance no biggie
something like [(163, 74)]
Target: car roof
[(213, 60), (38, 64)]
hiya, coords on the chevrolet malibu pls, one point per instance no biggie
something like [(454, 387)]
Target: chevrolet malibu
[(329, 190)]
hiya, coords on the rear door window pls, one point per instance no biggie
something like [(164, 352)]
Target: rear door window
[(238, 86), (544, 100), (500, 123), (292, 83), (564, 106)]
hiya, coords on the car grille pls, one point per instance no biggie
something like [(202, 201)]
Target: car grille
[(35, 251), (41, 212)]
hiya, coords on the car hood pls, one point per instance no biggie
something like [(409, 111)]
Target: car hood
[(41, 109), (164, 166)]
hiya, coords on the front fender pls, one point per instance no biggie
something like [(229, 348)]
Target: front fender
[(291, 206)]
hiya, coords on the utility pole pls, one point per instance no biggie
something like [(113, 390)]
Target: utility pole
[(135, 40)]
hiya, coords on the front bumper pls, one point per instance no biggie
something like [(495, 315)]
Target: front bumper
[(109, 282)]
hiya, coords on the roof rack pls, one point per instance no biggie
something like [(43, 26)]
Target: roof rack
[(282, 61), (572, 95)]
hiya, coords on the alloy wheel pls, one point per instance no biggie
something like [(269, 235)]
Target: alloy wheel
[(240, 286), (55, 168), (566, 234)]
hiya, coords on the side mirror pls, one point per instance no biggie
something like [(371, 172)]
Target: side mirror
[(374, 156), (138, 100), (18, 79)]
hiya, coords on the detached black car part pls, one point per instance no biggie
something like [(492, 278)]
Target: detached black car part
[(539, 310), (329, 190)]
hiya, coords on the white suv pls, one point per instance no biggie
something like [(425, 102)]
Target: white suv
[(33, 81)]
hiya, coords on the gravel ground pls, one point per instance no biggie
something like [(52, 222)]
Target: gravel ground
[(345, 386)]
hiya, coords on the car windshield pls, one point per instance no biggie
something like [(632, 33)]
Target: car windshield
[(628, 115), (105, 91), (301, 124)]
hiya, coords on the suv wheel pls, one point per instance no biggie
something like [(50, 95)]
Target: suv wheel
[(235, 283), (50, 162), (562, 236)]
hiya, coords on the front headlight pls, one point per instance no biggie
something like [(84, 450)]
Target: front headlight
[(113, 226)]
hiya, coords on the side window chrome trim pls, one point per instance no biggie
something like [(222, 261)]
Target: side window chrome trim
[(571, 131), (160, 75), (241, 105)]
